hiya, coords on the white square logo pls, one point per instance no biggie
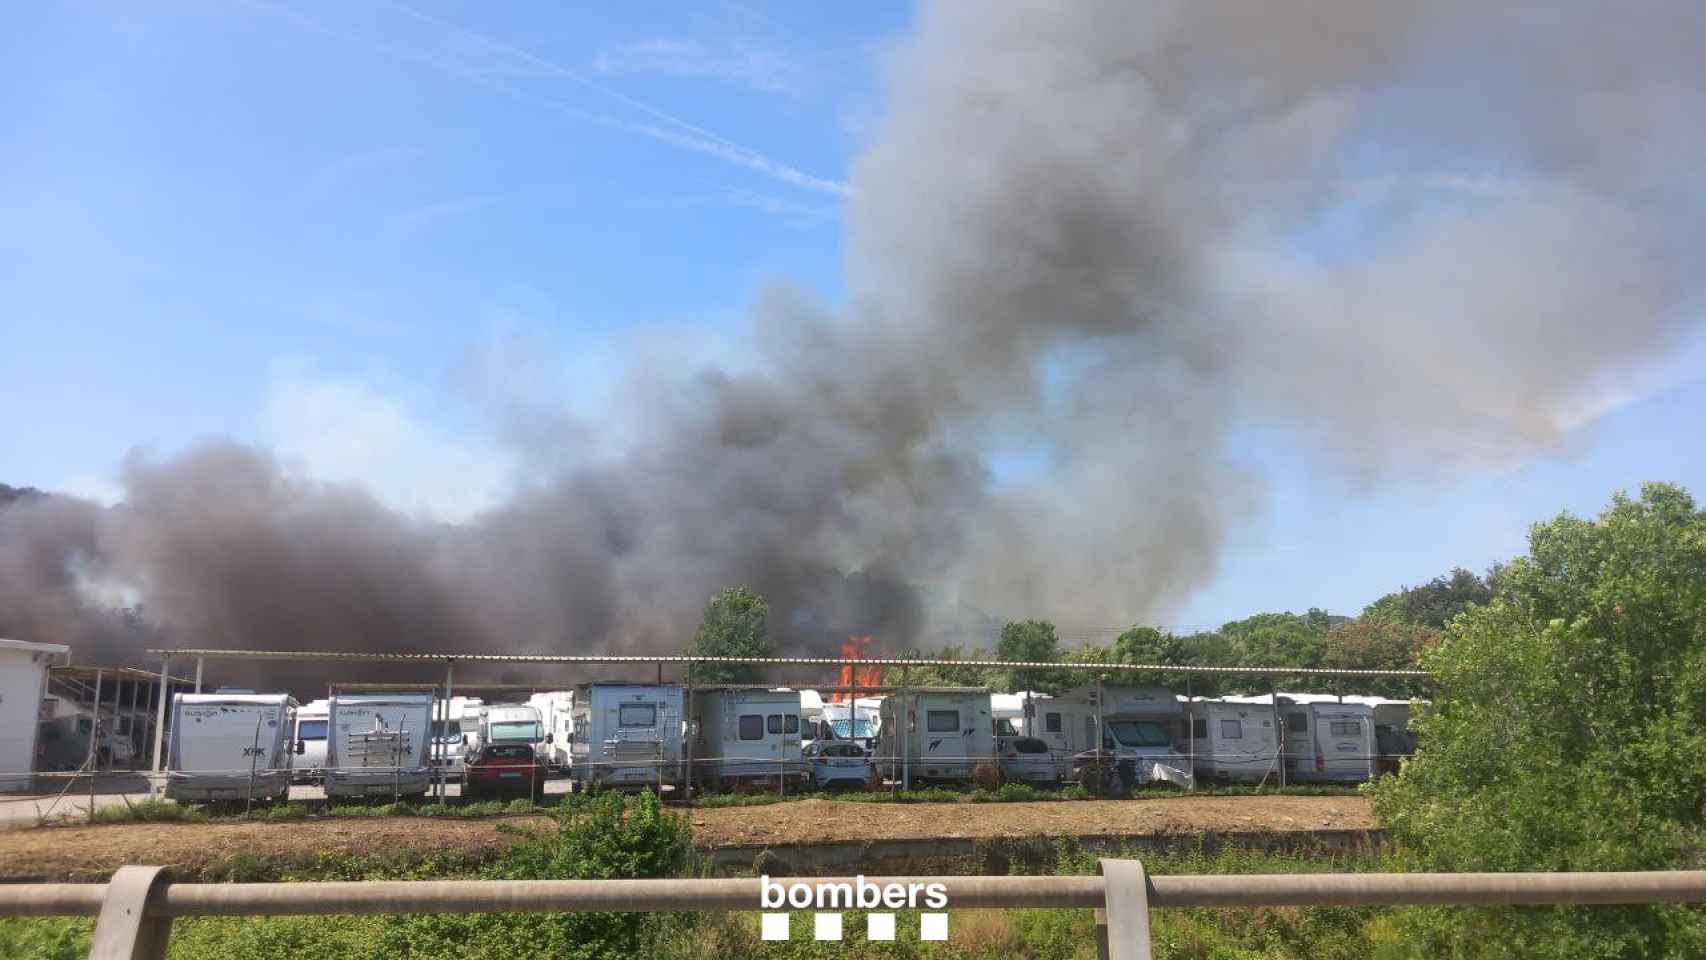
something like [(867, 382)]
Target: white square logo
[(932, 926), (879, 926), (775, 926), (827, 926)]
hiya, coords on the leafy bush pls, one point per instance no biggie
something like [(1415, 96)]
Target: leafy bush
[(604, 837), (1569, 733)]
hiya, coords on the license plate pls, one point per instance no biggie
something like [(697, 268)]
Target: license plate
[(509, 776)]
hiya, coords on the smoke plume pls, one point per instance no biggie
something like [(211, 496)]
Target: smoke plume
[(1120, 239)]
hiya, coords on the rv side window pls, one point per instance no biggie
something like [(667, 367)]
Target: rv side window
[(942, 721), (1051, 722), (1297, 722), (83, 725), (773, 723), (790, 723), (1345, 728), (1231, 730), (752, 726), (1199, 728), (637, 715)]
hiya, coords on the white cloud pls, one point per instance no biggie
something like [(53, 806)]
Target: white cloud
[(348, 432)]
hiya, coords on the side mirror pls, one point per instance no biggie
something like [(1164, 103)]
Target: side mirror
[(301, 747), (464, 739), (550, 738)]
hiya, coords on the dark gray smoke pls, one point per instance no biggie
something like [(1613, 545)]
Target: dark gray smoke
[(1114, 240)]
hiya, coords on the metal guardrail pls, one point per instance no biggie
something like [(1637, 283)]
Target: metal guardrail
[(137, 906)]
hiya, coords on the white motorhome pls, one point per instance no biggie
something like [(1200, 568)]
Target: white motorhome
[(935, 735), (1008, 710), (508, 724), (23, 684), (65, 729), (626, 735), (1233, 741), (1325, 739), (451, 725), (745, 735), (231, 746), (557, 711), (379, 745), (856, 721), (1141, 727), (311, 720)]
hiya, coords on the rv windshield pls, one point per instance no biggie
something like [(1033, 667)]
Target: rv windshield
[(1139, 733), (526, 730), (311, 730), (851, 729)]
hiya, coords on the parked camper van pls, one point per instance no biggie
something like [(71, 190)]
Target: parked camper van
[(511, 724), (311, 719), (451, 726), (1324, 739), (557, 712), (745, 735), (1233, 741), (378, 745), (231, 746), (64, 731), (626, 735), (935, 735), (855, 720)]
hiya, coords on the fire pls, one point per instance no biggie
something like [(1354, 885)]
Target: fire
[(856, 647)]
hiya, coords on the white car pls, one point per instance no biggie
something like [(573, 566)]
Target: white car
[(838, 763), (1026, 760)]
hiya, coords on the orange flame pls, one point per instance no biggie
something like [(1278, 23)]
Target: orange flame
[(855, 647)]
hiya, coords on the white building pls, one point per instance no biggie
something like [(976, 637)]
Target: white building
[(23, 685)]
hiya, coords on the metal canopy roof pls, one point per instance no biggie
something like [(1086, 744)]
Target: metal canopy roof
[(448, 658)]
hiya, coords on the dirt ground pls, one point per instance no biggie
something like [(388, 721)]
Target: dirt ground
[(90, 852)]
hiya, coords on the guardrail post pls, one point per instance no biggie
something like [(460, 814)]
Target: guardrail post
[(1122, 923), (124, 930)]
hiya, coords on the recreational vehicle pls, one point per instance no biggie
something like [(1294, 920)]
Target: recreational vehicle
[(378, 745), (451, 723), (557, 712), (625, 735), (311, 721), (745, 735), (64, 732), (510, 724), (1324, 738), (1139, 727), (854, 720), (231, 746), (1233, 741), (935, 735)]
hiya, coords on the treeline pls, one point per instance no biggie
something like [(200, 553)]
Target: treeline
[(1392, 633)]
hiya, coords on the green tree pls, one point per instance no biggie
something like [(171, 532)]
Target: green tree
[(1568, 733), (948, 676), (1278, 639), (736, 624), (1032, 641), (1437, 602), (1376, 643)]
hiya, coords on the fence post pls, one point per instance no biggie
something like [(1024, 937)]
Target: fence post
[(1122, 923), (124, 930)]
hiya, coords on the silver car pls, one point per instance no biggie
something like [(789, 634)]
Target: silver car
[(838, 763), (1026, 760)]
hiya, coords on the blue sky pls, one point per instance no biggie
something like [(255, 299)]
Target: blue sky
[(259, 220)]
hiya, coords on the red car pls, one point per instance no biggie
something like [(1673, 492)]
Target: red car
[(504, 770)]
